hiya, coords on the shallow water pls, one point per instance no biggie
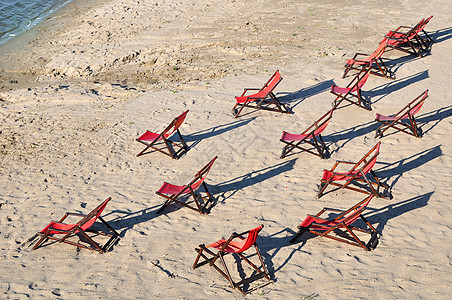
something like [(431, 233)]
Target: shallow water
[(18, 16)]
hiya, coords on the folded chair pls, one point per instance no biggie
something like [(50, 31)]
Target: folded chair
[(409, 40), (312, 136), (352, 92), (151, 139), (356, 175), (374, 60), (263, 99), (404, 120), (236, 244), (342, 224), (64, 233), (172, 192)]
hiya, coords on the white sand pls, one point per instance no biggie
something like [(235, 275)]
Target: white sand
[(77, 90)]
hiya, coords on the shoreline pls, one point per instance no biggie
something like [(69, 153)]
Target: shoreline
[(20, 46)]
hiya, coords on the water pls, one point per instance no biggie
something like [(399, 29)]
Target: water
[(18, 16)]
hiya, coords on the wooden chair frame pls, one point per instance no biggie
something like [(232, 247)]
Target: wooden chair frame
[(264, 98), (313, 133), (205, 251), (172, 192), (317, 225), (376, 62), (427, 41), (358, 173), (406, 114), (150, 139), (81, 227), (404, 40), (352, 92)]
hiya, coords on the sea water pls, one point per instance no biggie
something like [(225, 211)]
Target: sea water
[(18, 16)]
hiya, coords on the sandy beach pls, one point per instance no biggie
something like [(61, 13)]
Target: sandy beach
[(79, 88)]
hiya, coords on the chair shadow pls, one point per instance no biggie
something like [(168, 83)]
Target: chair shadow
[(349, 134), (249, 179), (393, 64), (198, 136), (441, 35), (395, 85), (128, 219), (295, 98), (436, 115), (276, 242), (366, 128), (381, 216), (393, 210), (395, 170)]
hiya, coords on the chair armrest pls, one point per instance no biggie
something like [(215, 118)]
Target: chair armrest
[(75, 214), (346, 162), (317, 217), (361, 60), (333, 209), (70, 214), (359, 53), (340, 162), (249, 89), (236, 235)]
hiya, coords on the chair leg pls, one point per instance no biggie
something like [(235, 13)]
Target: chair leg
[(41, 240), (300, 232), (144, 150), (234, 110)]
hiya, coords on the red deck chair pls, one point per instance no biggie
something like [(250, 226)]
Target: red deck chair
[(409, 40), (172, 192), (236, 244), (263, 99), (404, 120), (320, 226), (374, 60), (67, 231), (151, 139), (427, 40), (352, 93), (312, 136), (357, 174)]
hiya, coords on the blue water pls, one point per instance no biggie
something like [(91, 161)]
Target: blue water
[(18, 16)]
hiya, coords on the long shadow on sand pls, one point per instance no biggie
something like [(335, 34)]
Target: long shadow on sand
[(393, 210), (198, 136), (393, 86), (441, 35), (395, 170), (346, 135), (229, 188), (127, 219), (295, 98), (381, 216)]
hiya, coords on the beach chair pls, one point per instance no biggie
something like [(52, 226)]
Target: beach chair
[(155, 140), (357, 176), (173, 193), (311, 136), (236, 244), (426, 39), (64, 233), (340, 228), (352, 92), (374, 60), (404, 120), (264, 99), (407, 39)]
